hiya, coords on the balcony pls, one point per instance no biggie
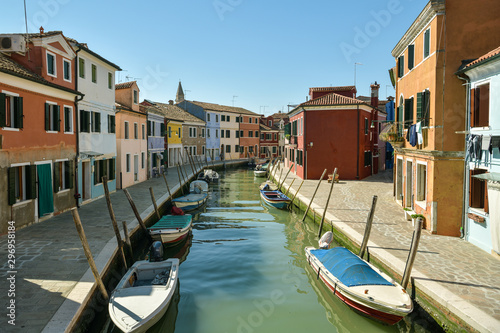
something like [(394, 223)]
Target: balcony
[(393, 134)]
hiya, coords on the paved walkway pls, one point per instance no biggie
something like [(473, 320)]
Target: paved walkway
[(53, 276), (461, 277)]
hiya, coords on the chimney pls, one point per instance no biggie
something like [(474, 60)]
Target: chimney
[(171, 102), (374, 94), (41, 30)]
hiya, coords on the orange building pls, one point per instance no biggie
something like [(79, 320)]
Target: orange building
[(249, 134), (37, 130), (430, 104)]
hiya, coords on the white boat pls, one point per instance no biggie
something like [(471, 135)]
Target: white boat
[(209, 175), (360, 285), (142, 296), (195, 199), (260, 173)]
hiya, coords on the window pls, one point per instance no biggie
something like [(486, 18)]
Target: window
[(216, 118), (275, 137), (67, 70), (136, 96), (222, 133), (237, 119), (222, 118), (81, 67), (228, 118), (208, 116), (51, 64), (478, 192), (237, 134), (63, 176), (110, 80), (162, 130), (216, 133), (111, 124), (84, 121), (262, 136), (366, 126), (241, 134), (411, 56), (228, 148), (250, 134), (192, 132), (143, 132), (104, 168), (250, 149), (143, 160), (427, 42), (262, 150), (203, 150), (136, 131), (236, 148), (421, 182), (94, 73), (179, 133), (208, 132), (408, 112), (153, 128), (21, 183), (268, 137), (256, 134), (194, 150), (125, 129), (480, 106), (52, 117), (228, 133), (274, 149), (96, 122), (128, 163), (68, 119), (11, 111), (202, 132), (368, 158), (423, 107), (294, 128), (401, 66), (270, 123)]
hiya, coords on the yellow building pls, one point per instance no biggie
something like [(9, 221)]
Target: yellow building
[(430, 101)]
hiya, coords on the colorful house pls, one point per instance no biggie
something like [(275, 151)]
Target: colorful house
[(482, 167), (269, 137), (95, 78), (249, 133), (430, 99), (334, 130), (229, 140), (131, 136), (38, 141), (281, 119)]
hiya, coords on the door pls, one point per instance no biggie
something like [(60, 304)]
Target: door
[(136, 167), (409, 185), (246, 152), (399, 179), (45, 192)]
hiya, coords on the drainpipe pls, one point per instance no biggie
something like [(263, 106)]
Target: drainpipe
[(357, 147), (77, 130), (304, 143), (463, 230)]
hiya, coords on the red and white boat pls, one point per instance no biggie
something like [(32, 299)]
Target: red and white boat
[(360, 285)]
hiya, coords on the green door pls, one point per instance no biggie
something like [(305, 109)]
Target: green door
[(45, 194)]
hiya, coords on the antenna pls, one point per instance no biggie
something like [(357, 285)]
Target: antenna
[(264, 107), (133, 78), (234, 98)]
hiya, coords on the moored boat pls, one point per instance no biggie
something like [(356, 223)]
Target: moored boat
[(259, 173), (275, 198), (269, 186), (209, 175), (142, 296), (171, 229), (195, 199), (360, 285)]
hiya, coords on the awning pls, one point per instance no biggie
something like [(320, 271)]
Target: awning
[(87, 154), (490, 176)]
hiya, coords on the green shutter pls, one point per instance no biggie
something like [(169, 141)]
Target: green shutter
[(18, 112), (57, 172), (69, 173), (96, 180), (426, 43), (162, 130), (426, 107), (2, 109), (112, 169), (97, 117), (47, 117), (31, 182), (57, 118), (66, 119), (149, 128), (411, 56), (419, 106), (12, 185)]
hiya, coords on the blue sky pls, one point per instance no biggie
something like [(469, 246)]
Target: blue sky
[(267, 53)]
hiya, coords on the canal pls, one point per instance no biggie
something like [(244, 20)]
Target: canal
[(245, 271)]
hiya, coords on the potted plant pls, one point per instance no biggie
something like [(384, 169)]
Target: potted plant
[(408, 213), (414, 218)]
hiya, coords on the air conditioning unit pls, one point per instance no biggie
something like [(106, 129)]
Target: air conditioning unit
[(12, 43)]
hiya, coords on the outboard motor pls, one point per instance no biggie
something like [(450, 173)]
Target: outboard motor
[(156, 251)]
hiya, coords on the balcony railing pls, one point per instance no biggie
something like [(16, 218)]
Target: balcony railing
[(393, 133)]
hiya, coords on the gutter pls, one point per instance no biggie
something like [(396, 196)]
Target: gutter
[(357, 146), (77, 131)]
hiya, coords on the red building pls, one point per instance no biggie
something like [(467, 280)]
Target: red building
[(249, 134), (335, 130), (269, 137)]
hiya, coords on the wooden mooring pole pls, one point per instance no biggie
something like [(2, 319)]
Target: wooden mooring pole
[(127, 239), (413, 253), (113, 220), (368, 227), (189, 159), (289, 187), (291, 202), (154, 202), (316, 190), (168, 188), (88, 254), (326, 206), (136, 212), (180, 181), (283, 182)]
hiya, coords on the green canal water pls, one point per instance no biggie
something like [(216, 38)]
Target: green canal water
[(245, 271)]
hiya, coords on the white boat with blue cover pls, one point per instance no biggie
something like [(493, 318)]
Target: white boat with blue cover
[(171, 229), (195, 199), (360, 285), (275, 198)]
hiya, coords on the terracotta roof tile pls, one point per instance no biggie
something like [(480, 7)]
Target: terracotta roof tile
[(332, 89), (491, 54), (332, 99), (224, 108), (124, 85), (171, 111)]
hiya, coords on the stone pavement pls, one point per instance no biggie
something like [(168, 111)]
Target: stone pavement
[(53, 276), (459, 276)]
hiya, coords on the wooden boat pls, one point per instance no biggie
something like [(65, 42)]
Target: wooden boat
[(269, 186), (275, 198), (360, 285), (195, 199), (172, 229), (259, 173), (209, 175), (142, 296)]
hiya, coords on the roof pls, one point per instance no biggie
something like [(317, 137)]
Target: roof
[(332, 89), (124, 85), (279, 115), (171, 111), (267, 128), (223, 108), (493, 54), (332, 99), (126, 108), (84, 47), (9, 66)]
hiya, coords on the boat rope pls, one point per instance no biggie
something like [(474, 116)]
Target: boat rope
[(319, 270)]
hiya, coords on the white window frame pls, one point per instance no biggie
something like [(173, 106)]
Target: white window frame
[(47, 63), (70, 70), (62, 169), (72, 130), (421, 203), (9, 128), (136, 130), (126, 130), (51, 115), (23, 200), (128, 166)]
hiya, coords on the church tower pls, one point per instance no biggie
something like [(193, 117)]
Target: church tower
[(179, 97)]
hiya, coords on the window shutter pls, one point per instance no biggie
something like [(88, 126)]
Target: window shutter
[(149, 128), (57, 172), (484, 105), (97, 117), (419, 106), (426, 43), (2, 109), (57, 118), (112, 169), (162, 129), (18, 112), (426, 107), (12, 185), (31, 182), (411, 56), (472, 107), (47, 117), (69, 173), (486, 208), (401, 66)]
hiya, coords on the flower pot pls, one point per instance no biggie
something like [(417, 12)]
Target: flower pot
[(397, 143)]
